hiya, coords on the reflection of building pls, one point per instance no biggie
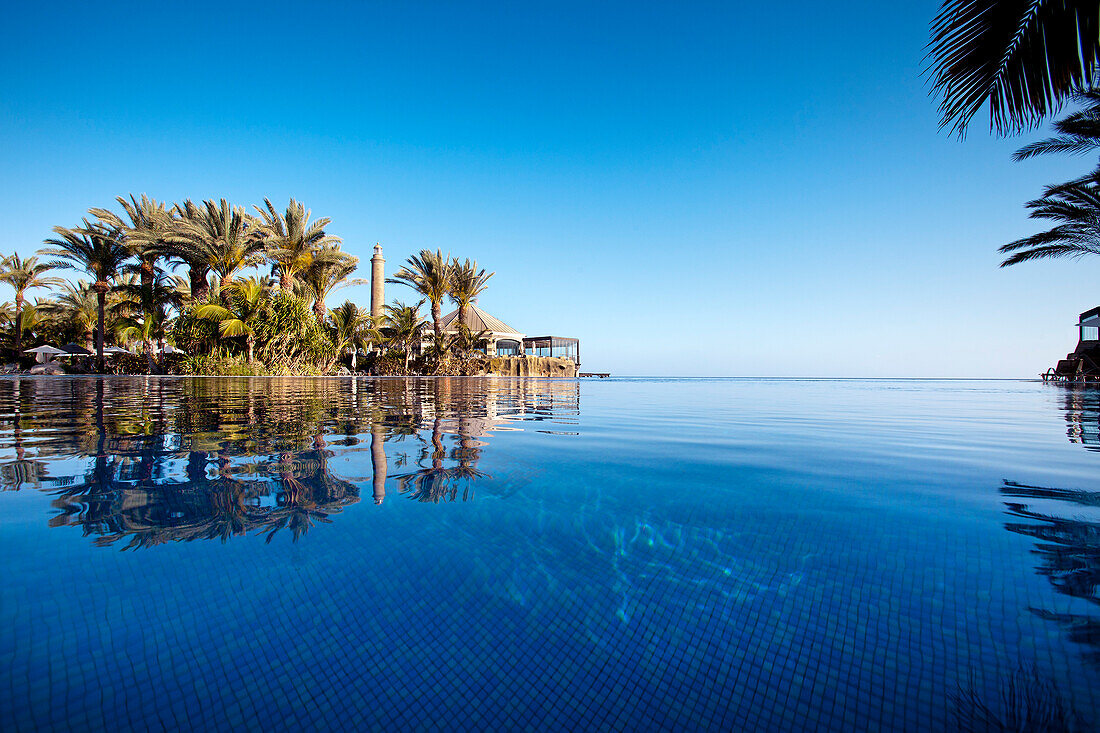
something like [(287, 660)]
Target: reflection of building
[(16, 474), (185, 459), (1082, 411)]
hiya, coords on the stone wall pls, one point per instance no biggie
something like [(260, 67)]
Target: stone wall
[(528, 366)]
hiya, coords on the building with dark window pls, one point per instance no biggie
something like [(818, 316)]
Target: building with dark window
[(1083, 364), (504, 340)]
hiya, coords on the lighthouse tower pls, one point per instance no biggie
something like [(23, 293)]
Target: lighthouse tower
[(377, 282)]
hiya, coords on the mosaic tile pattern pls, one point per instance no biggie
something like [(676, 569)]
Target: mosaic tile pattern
[(698, 555)]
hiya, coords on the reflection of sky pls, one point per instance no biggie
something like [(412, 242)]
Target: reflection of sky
[(701, 551)]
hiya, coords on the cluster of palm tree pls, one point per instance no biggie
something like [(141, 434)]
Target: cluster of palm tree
[(128, 256), (1025, 60), (436, 276), (133, 294)]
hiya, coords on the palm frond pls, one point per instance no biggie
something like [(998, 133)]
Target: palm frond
[(212, 312), (290, 239), (1076, 208), (231, 327), (1022, 58)]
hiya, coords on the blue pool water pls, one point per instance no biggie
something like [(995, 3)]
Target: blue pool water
[(494, 554)]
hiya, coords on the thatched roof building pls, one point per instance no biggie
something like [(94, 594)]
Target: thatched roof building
[(502, 338)]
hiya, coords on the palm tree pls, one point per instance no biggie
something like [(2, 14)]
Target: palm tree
[(143, 329), (429, 274), (216, 237), (144, 311), (406, 326), (32, 316), (1022, 57), (328, 271), (149, 229), (97, 250), (76, 305), (24, 275), (244, 301), (291, 239), (353, 328), (1076, 208), (467, 282)]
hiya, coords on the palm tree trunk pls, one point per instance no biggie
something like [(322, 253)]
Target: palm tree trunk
[(438, 451), (196, 466), (319, 309), (18, 325), (101, 296), (148, 273), (378, 463), (251, 343), (464, 314), (147, 347), (200, 287), (437, 319), (285, 281), (89, 340)]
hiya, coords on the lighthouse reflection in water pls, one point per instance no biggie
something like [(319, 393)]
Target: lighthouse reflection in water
[(169, 460)]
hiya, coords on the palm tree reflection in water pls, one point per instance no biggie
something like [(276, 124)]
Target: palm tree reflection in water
[(1069, 549), (185, 459)]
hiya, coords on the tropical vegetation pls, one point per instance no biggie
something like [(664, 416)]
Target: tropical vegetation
[(252, 297), (1025, 60)]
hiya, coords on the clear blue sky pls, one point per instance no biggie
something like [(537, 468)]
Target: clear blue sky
[(689, 188)]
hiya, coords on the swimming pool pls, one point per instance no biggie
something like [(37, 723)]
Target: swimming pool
[(490, 553)]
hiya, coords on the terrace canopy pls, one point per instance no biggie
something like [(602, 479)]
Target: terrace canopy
[(559, 346)]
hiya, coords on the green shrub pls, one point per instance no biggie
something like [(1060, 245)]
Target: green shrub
[(288, 335), (289, 341), (194, 335)]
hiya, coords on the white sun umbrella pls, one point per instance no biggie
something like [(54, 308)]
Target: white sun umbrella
[(170, 349), (43, 353), (117, 350)]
